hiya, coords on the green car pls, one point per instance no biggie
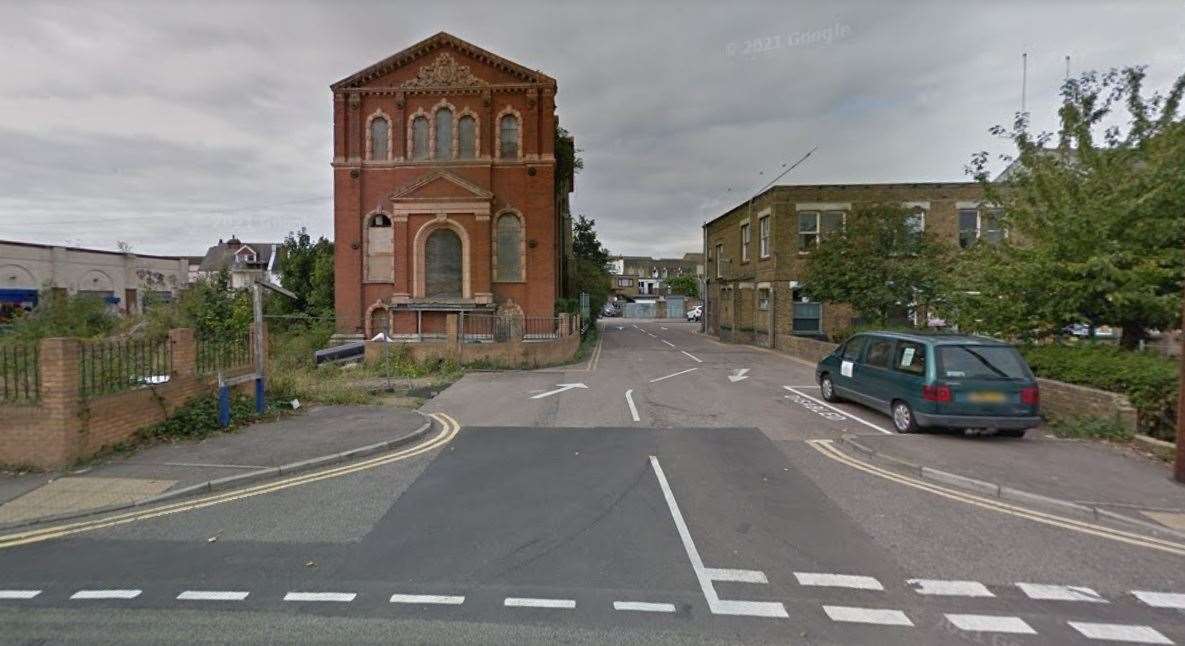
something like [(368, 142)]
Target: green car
[(934, 381)]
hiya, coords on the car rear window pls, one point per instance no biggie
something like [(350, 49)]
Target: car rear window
[(981, 362)]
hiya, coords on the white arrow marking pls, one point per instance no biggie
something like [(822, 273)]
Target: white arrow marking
[(739, 375), (562, 388), (620, 328)]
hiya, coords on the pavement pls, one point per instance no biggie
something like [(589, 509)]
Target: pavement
[(686, 491)]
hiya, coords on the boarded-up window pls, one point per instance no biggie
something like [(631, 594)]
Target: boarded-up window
[(442, 264), (467, 137), (444, 133), (380, 245), (379, 129), (419, 138), (509, 250), (508, 136)]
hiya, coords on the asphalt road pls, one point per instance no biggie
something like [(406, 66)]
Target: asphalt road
[(699, 509)]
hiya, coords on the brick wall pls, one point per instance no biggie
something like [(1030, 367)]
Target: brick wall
[(514, 353)]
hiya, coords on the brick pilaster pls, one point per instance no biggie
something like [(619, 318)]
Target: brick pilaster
[(184, 348), (61, 400)]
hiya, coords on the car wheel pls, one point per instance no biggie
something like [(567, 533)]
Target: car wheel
[(828, 389), (903, 419), (1012, 432)]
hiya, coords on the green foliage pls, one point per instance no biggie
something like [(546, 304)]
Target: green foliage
[(567, 156), (209, 306), (585, 245), (846, 333), (1099, 428), (199, 418), (1148, 380), (879, 265), (590, 265), (1101, 216), (58, 314), (685, 285), (398, 362), (306, 269)]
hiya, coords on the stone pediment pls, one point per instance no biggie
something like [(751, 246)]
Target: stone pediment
[(441, 185)]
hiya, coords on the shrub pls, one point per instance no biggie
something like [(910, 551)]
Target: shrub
[(1090, 427), (199, 418), (57, 314)]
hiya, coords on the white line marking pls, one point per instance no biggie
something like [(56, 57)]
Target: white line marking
[(697, 359), (661, 327), (105, 594), (838, 580), (642, 606), (739, 375), (668, 343), (521, 602), (991, 624), (880, 616), (868, 424), (1048, 592), (18, 594), (342, 597), (562, 388), (1161, 599), (717, 605), (212, 595), (439, 599), (1120, 632), (950, 588), (629, 399), (681, 372), (738, 576)]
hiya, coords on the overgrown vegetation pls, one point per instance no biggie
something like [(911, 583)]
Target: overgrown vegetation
[(684, 285), (60, 314), (199, 418), (1094, 428), (590, 265)]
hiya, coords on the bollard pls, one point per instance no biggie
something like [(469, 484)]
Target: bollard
[(223, 405), (260, 402)]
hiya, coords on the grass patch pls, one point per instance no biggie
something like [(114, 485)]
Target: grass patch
[(1092, 428)]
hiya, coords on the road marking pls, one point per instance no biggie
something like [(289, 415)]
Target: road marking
[(736, 576), (826, 580), (449, 425), (695, 358), (991, 624), (642, 606), (18, 594), (629, 399), (881, 616), (1161, 599), (212, 595), (1120, 632), (562, 388), (738, 375), (527, 602), (950, 588), (681, 372), (661, 327), (668, 343), (106, 594), (438, 599), (717, 605), (1047, 592), (823, 403), (339, 597), (827, 448)]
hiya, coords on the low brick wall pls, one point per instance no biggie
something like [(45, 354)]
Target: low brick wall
[(804, 348), (506, 354)]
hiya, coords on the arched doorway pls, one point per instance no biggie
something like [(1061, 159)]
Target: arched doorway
[(442, 264)]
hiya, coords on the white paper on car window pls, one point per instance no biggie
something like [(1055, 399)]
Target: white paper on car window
[(955, 373), (845, 368), (906, 357)]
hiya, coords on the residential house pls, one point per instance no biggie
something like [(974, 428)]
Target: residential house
[(632, 277), (245, 261)]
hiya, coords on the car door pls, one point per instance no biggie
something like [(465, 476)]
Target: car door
[(909, 372), (875, 381), (849, 360)]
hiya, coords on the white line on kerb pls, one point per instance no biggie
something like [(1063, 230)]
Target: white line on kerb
[(668, 343), (823, 403), (676, 374), (18, 594), (1120, 632), (527, 602), (105, 594), (826, 580), (705, 575), (629, 399), (697, 359), (342, 597), (642, 606), (438, 599), (991, 624), (212, 595), (882, 616)]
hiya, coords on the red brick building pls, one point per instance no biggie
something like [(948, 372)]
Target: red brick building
[(445, 190)]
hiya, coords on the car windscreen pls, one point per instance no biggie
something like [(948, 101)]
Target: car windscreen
[(981, 362)]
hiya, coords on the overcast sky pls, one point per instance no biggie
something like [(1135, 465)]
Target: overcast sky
[(170, 125)]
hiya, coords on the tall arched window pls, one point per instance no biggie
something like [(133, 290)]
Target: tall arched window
[(380, 248), (379, 132), (419, 138), (509, 249), (508, 136), (467, 137), (444, 134)]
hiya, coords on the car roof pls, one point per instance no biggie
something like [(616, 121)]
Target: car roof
[(935, 338)]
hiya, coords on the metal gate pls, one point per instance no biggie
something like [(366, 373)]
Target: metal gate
[(640, 310), (676, 307)]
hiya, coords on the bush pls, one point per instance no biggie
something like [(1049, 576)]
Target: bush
[(1090, 428), (199, 418), (58, 314), (1148, 380)]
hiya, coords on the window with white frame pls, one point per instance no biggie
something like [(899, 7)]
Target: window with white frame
[(813, 226), (806, 316), (763, 299), (763, 233), (980, 224), (746, 234)]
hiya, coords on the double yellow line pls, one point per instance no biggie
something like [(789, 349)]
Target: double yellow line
[(827, 448), (449, 430)]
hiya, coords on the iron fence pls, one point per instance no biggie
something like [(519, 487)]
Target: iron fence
[(20, 375), (489, 328), (113, 366), (536, 328), (214, 354)]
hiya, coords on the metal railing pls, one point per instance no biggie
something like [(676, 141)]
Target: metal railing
[(538, 328), (489, 328), (214, 355), (107, 367), (20, 375)]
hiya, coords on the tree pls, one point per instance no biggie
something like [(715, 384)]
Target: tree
[(1100, 218), (880, 264), (306, 269), (585, 244), (590, 271), (685, 285)]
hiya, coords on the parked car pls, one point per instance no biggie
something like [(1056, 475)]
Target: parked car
[(610, 310), (934, 381), (696, 313)]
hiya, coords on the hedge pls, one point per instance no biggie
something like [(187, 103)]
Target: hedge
[(1148, 380)]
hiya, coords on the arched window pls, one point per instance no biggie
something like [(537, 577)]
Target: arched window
[(379, 132), (380, 248), (443, 264), (509, 250), (508, 136), (444, 134), (419, 138), (467, 137)]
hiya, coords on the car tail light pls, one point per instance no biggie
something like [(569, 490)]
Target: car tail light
[(1030, 396), (936, 393)]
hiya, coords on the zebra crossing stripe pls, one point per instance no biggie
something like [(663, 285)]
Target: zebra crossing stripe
[(1120, 633), (949, 588), (19, 594), (838, 580), (991, 624), (881, 616), (1047, 592), (105, 594), (1161, 599)]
